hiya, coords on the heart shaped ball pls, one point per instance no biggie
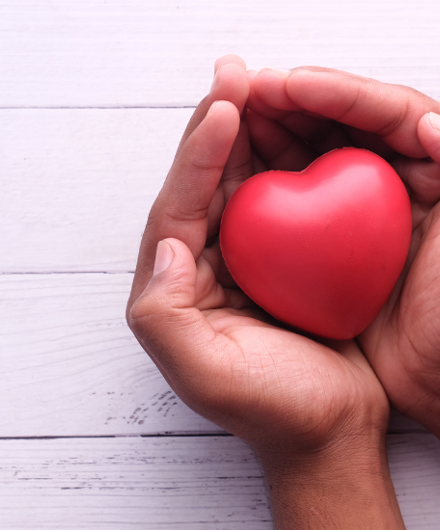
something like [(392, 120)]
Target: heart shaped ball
[(320, 249)]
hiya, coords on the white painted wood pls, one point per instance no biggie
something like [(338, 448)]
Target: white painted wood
[(415, 469), (77, 186), (205, 483), (69, 365), (211, 483), (137, 52)]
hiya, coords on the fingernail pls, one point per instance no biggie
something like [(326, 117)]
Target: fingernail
[(435, 120), (164, 257)]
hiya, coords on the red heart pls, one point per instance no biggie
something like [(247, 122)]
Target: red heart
[(320, 249)]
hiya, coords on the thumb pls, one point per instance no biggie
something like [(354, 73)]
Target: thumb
[(174, 276), (164, 318), (428, 130)]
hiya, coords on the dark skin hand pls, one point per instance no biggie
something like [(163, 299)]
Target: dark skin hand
[(309, 111), (314, 412)]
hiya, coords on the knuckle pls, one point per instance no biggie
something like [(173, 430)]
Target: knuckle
[(169, 207), (177, 212)]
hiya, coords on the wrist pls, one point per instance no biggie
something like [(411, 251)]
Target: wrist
[(346, 485)]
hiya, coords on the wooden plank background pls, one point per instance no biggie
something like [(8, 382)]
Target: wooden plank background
[(94, 95)]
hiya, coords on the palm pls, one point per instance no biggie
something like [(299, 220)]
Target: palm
[(260, 362)]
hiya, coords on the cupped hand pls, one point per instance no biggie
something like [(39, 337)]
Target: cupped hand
[(224, 357), (298, 115)]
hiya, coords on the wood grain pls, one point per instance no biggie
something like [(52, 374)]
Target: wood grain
[(77, 185), (211, 483), (142, 483), (137, 53), (70, 365)]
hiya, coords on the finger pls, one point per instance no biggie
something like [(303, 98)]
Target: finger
[(322, 135), (210, 294), (229, 59), (390, 111), (236, 298), (261, 105), (428, 130), (270, 86), (230, 84), (238, 168), (370, 141), (214, 257), (181, 209), (278, 148), (422, 177), (257, 163), (325, 134)]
